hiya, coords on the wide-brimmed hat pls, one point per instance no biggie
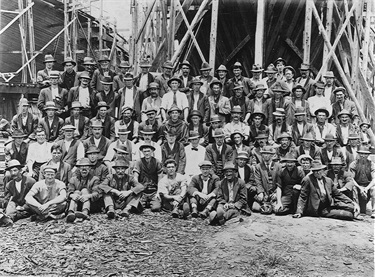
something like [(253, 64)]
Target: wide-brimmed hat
[(279, 112), (260, 87), (174, 108), (222, 68), (336, 161), (238, 85), (102, 104), (300, 111), (196, 80), (365, 123), (104, 58), (18, 134), (153, 85), (147, 130), (215, 81), (218, 133), (185, 62), (329, 137), (150, 109), (128, 76), (121, 149), (69, 127), (76, 104), (168, 64), (363, 150), (126, 108), (174, 78), (123, 131), (49, 58), (193, 135), (278, 88), (299, 87), (50, 105), (267, 150), (144, 63), (124, 64), (107, 81), (304, 66), (205, 66), (84, 75), (289, 157), (236, 109), (84, 162), (237, 65), (304, 157), (88, 61), (171, 132), (24, 102), (54, 74), (50, 168), (317, 165), (280, 60), (308, 137), (353, 136), (284, 135), (344, 112), (229, 165), (13, 163), (319, 84), (121, 163), (256, 68), (288, 67), (339, 89), (96, 124), (271, 69), (261, 135), (242, 155), (237, 132), (194, 113), (254, 114), (69, 60), (92, 149), (324, 110), (145, 146), (215, 118), (205, 163), (329, 74)]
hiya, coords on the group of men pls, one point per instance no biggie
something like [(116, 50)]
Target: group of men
[(192, 145)]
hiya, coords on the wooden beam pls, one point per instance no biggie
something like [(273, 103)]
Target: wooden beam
[(329, 15), (237, 49), (366, 41), (297, 14), (172, 16), (259, 33), (299, 53), (213, 34), (307, 32), (143, 25)]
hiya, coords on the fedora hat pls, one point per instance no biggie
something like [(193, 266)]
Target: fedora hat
[(174, 108), (344, 111), (144, 63), (300, 111), (304, 66), (126, 108), (237, 65), (84, 75), (222, 68), (76, 104), (174, 78), (237, 132), (69, 127), (54, 74), (185, 62), (308, 137), (329, 137), (205, 66), (121, 149), (324, 110), (150, 109), (243, 155), (304, 157), (260, 87), (236, 109), (193, 135), (18, 134), (298, 87), (284, 135), (267, 150), (254, 114), (279, 112), (280, 60), (123, 131), (288, 67), (153, 85), (171, 132), (104, 58), (50, 105), (229, 165), (271, 69), (147, 130), (261, 135), (216, 81), (121, 163), (92, 149), (238, 85), (194, 113), (107, 81), (88, 61), (353, 136), (168, 64), (102, 104), (218, 133), (317, 165), (196, 80), (205, 163), (329, 74), (289, 157), (256, 68), (319, 84), (365, 123), (277, 88), (49, 58), (339, 89), (23, 102), (96, 124), (13, 163), (336, 161), (124, 64), (84, 162), (145, 146), (128, 76), (69, 60), (363, 150), (215, 118)]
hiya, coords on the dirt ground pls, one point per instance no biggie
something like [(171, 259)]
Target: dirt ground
[(157, 245)]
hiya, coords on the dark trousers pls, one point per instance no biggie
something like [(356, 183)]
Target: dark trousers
[(132, 202), (201, 204), (148, 200), (53, 209), (289, 203), (14, 214)]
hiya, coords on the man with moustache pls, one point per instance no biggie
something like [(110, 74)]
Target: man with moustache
[(186, 78), (306, 81), (83, 94), (344, 128), (97, 139), (128, 123), (152, 102), (80, 122)]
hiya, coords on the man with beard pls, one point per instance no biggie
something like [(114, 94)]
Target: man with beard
[(222, 72), (288, 182), (202, 190), (128, 123), (257, 126), (152, 103), (218, 152), (121, 192), (83, 94), (108, 122), (278, 126), (144, 78), (322, 127), (82, 191), (148, 171), (330, 150), (15, 192), (97, 139), (72, 149), (306, 81), (231, 198), (307, 147), (363, 172), (239, 99), (260, 142), (260, 104), (185, 76), (172, 149), (301, 127), (236, 125), (287, 146), (130, 96), (344, 127), (219, 105), (248, 85), (51, 123), (198, 101), (176, 125), (163, 78), (100, 73), (80, 122), (350, 150)]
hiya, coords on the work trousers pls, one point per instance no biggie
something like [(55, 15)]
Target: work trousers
[(289, 203), (148, 200), (226, 214), (362, 200), (53, 209), (78, 205), (132, 202), (202, 204), (14, 214)]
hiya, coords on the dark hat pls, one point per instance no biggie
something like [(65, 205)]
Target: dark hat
[(256, 68), (329, 74), (271, 68), (336, 161), (317, 165), (215, 81), (88, 61), (205, 163), (168, 64), (104, 58), (50, 105), (299, 87), (121, 163), (144, 63), (121, 149), (304, 66), (144, 146), (49, 58), (147, 130), (215, 118), (254, 114), (344, 111), (18, 134), (237, 65), (76, 104), (242, 155), (171, 132), (185, 62), (153, 85), (319, 84), (289, 157), (329, 137), (92, 149), (84, 75), (150, 110), (279, 112), (194, 113), (363, 150), (69, 60), (365, 123), (237, 132), (196, 80), (205, 66), (124, 64), (107, 81), (13, 163), (260, 87), (24, 102), (229, 165), (279, 60), (222, 68), (238, 85), (174, 108), (300, 111), (289, 68), (193, 135), (324, 110), (174, 78), (123, 131), (84, 162), (102, 104), (308, 137), (218, 133), (267, 150), (128, 76), (284, 135), (168, 161), (303, 157), (339, 89), (277, 88)]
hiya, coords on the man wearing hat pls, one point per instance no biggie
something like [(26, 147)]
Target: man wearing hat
[(288, 182), (108, 122), (81, 123), (72, 148), (102, 71), (330, 150), (171, 193), (24, 120), (308, 147), (270, 79), (197, 100), (321, 126), (5, 129), (286, 146), (68, 77), (259, 142), (196, 125), (144, 78), (298, 101), (248, 85), (130, 96), (194, 152), (289, 74), (364, 133), (173, 149), (342, 103), (202, 190), (257, 126), (280, 64), (280, 100), (148, 134), (231, 197), (260, 104), (222, 72), (329, 86), (319, 101), (83, 94), (239, 100), (151, 122), (98, 168), (186, 78), (215, 123), (236, 125), (237, 138), (51, 123), (174, 98), (257, 79), (306, 81), (206, 78), (152, 105), (54, 93), (175, 124), (42, 76), (265, 173), (97, 139), (15, 191), (148, 171), (82, 191), (319, 197), (305, 162), (89, 67), (219, 104), (246, 172), (218, 152), (342, 179), (344, 127), (163, 78), (300, 126), (128, 123), (118, 80), (107, 95), (47, 198), (278, 125), (121, 192)]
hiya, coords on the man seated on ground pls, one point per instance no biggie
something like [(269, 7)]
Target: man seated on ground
[(232, 197), (318, 194), (122, 193), (98, 167), (82, 191), (171, 193), (97, 139), (172, 149), (47, 198), (15, 192), (148, 171), (288, 182), (202, 190)]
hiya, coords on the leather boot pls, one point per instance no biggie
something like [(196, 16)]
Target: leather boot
[(71, 217), (194, 212)]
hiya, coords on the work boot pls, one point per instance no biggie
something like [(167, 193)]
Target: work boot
[(5, 220), (125, 212), (185, 210), (194, 212), (213, 217), (111, 212), (204, 214), (83, 215), (175, 213), (71, 217)]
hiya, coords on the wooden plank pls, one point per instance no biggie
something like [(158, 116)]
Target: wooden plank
[(259, 33), (143, 25), (307, 32), (366, 41), (213, 33), (297, 14), (172, 25), (237, 49), (329, 15)]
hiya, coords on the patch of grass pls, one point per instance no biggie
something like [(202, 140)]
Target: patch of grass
[(270, 258)]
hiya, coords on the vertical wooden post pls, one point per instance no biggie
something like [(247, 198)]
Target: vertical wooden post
[(66, 32), (172, 24), (23, 41), (31, 42), (74, 36), (101, 29), (259, 33), (328, 29), (157, 27), (366, 41), (307, 32), (134, 13), (88, 36), (213, 34)]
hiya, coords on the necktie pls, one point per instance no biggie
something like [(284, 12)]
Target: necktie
[(321, 127), (194, 149), (174, 98)]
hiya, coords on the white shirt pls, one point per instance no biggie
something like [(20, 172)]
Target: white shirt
[(67, 144), (329, 154), (84, 97), (230, 127), (193, 158), (322, 188), (97, 141), (39, 153), (185, 81), (345, 134), (258, 104), (129, 97), (317, 102), (18, 186), (328, 92), (230, 189), (181, 99), (24, 120), (143, 83), (241, 173), (300, 128), (196, 98), (76, 124), (205, 186), (54, 92)]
